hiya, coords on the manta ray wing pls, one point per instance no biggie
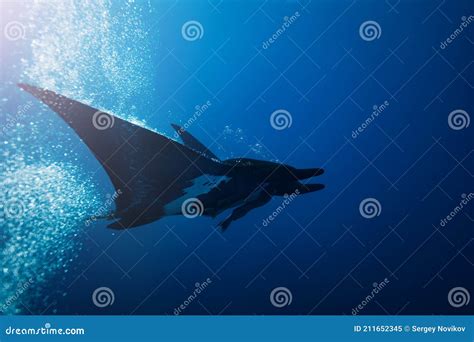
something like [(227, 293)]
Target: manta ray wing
[(147, 169)]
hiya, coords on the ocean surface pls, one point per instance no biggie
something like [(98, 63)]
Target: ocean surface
[(378, 93)]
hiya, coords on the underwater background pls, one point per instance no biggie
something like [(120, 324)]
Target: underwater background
[(378, 93)]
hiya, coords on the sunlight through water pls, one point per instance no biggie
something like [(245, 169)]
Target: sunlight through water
[(90, 51), (81, 50)]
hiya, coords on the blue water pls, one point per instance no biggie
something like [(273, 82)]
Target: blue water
[(131, 59)]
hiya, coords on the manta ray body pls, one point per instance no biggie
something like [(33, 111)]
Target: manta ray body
[(156, 176)]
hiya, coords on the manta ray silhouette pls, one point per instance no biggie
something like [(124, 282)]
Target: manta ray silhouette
[(157, 176)]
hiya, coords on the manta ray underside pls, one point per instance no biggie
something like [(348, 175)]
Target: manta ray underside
[(156, 176)]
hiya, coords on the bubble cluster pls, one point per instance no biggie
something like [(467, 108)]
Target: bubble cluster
[(98, 53), (45, 239), (46, 197), (93, 52), (240, 141)]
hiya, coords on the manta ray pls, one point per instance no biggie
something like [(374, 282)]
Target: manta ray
[(157, 176)]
